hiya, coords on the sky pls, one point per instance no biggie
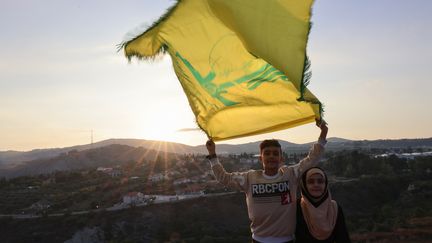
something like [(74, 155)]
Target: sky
[(62, 79)]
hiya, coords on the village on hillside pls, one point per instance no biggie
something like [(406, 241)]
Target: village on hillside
[(152, 184), (122, 186), (164, 179)]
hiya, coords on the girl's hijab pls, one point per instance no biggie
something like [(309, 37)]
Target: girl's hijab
[(320, 213)]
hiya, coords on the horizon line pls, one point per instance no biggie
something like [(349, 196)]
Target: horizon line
[(220, 143)]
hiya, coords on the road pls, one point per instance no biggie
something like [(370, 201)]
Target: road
[(177, 198)]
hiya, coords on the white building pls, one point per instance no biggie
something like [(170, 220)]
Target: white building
[(157, 177), (181, 181), (133, 198), (41, 205), (248, 160), (113, 172)]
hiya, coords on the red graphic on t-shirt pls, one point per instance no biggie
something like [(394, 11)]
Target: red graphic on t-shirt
[(285, 198)]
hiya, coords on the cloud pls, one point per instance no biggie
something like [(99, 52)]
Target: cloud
[(188, 130)]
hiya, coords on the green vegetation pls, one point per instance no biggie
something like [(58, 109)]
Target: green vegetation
[(377, 194), (87, 189), (386, 191)]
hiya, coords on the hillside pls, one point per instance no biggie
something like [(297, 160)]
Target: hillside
[(385, 199), (118, 151), (107, 156), (216, 219), (10, 159)]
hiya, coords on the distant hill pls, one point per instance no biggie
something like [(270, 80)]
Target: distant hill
[(10, 159), (108, 156)]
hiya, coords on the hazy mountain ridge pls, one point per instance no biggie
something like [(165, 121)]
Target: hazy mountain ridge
[(108, 156), (10, 159)]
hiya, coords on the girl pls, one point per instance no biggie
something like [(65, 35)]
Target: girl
[(319, 218)]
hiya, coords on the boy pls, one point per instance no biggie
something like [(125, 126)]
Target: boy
[(270, 193)]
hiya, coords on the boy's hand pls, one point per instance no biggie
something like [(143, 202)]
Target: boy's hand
[(324, 129), (211, 147)]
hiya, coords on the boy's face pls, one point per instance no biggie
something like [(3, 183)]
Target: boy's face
[(271, 157)]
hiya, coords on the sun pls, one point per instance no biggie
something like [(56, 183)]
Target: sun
[(163, 123), (159, 127)]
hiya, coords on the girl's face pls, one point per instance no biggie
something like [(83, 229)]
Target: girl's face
[(315, 185)]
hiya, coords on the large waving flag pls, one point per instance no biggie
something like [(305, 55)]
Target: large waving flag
[(241, 63)]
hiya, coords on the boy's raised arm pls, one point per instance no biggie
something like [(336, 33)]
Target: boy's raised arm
[(235, 180), (324, 130), (315, 153)]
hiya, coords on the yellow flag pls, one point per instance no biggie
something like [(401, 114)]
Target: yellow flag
[(242, 64)]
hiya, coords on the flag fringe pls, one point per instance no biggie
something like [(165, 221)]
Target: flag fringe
[(162, 50), (306, 77)]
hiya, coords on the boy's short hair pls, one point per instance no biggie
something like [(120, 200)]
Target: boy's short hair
[(269, 143)]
